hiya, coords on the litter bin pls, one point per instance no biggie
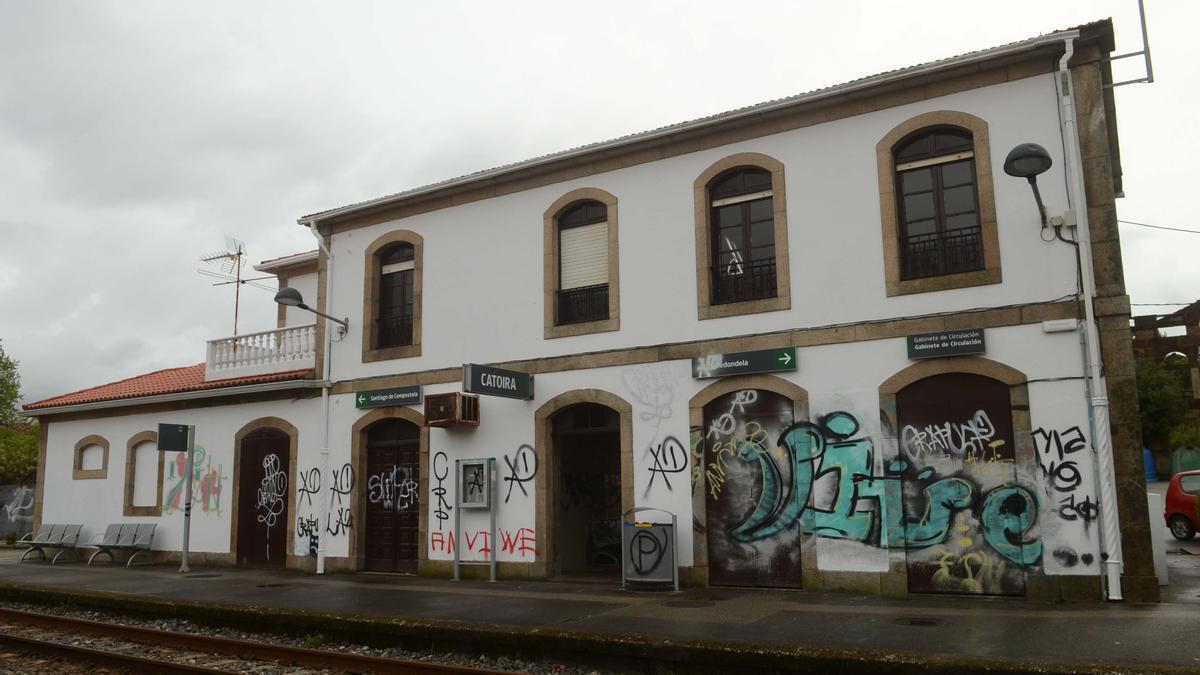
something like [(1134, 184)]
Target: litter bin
[(648, 550)]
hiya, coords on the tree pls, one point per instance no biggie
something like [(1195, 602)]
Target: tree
[(1163, 396), (10, 390)]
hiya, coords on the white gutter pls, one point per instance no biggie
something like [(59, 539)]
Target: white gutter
[(835, 91), (180, 396), (323, 517), (1110, 532)]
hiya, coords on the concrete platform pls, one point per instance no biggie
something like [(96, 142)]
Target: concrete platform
[(718, 630)]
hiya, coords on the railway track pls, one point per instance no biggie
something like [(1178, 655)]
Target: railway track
[(228, 647)]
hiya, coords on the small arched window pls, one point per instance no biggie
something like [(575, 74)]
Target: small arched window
[(582, 263), (742, 235), (937, 203), (396, 295)]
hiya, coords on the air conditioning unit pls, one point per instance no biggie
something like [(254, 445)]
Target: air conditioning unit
[(453, 409)]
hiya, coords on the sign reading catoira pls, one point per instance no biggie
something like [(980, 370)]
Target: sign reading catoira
[(491, 381), (741, 363)]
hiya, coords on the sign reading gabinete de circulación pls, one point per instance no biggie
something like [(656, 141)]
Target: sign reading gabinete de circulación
[(946, 343), (741, 363)]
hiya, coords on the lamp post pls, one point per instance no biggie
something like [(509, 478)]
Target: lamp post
[(1028, 161), (292, 298)]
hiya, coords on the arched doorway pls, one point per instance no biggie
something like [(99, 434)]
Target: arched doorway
[(392, 490), (587, 522), (746, 472), (264, 498), (966, 518)]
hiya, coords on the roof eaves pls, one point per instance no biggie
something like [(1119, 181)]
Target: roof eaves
[(815, 95)]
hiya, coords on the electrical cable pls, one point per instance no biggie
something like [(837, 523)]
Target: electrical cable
[(1158, 227)]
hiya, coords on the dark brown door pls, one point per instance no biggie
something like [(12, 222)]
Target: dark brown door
[(263, 496), (748, 481), (393, 506), (966, 518)]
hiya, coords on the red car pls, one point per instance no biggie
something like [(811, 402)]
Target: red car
[(1182, 517)]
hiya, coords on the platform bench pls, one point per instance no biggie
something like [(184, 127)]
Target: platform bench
[(65, 538), (132, 538)]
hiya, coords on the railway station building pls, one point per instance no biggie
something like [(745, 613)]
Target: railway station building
[(828, 334)]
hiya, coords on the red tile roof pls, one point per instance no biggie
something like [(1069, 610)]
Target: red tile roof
[(169, 381)]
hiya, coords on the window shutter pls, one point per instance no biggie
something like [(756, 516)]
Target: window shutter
[(583, 253)]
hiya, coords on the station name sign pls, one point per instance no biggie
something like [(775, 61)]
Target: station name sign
[(378, 398), (172, 437), (946, 343), (741, 363), (491, 381)]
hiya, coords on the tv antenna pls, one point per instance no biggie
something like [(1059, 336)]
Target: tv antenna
[(230, 262)]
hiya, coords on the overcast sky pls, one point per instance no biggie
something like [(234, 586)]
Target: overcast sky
[(134, 135)]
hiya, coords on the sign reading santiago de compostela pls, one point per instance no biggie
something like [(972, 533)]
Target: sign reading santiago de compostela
[(946, 343), (741, 363)]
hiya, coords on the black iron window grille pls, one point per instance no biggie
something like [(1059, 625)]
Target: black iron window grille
[(587, 303), (935, 254), (743, 281)]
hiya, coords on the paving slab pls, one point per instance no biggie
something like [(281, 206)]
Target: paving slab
[(1016, 635)]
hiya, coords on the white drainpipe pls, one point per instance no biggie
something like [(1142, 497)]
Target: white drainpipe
[(1110, 531), (327, 379)]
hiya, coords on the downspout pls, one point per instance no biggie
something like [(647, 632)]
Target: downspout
[(326, 383), (1110, 533)]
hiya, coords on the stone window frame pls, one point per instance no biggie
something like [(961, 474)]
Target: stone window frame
[(990, 274), (77, 470), (131, 474), (705, 309), (550, 266), (371, 273)]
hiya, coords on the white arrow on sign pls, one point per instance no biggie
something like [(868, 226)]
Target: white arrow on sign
[(362, 398), (786, 358)]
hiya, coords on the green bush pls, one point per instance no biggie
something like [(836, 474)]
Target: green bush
[(18, 453)]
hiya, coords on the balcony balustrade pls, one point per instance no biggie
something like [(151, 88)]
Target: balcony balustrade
[(269, 351)]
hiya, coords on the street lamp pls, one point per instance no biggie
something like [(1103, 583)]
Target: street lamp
[(1027, 161), (292, 298)]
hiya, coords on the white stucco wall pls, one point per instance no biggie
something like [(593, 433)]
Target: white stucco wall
[(483, 260)]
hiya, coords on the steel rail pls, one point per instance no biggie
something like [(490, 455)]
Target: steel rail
[(101, 657), (301, 656)]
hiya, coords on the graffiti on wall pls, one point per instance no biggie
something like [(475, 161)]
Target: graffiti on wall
[(207, 483), (520, 543), (269, 502), (522, 467), (1063, 478), (17, 515), (668, 457), (441, 505), (393, 489), (338, 519), (973, 440)]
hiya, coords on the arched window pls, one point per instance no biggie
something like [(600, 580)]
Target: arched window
[(392, 304), (581, 285), (742, 235), (396, 297), (937, 203), (582, 263)]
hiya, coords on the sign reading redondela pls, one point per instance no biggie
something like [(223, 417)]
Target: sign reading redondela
[(946, 343)]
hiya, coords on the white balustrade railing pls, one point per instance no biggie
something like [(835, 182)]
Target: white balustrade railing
[(270, 351)]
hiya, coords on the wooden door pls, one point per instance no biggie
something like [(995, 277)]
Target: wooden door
[(393, 497), (746, 475), (966, 518), (263, 498)]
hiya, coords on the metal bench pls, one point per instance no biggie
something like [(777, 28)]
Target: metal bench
[(132, 538), (65, 538)]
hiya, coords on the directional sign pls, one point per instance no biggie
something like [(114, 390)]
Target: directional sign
[(946, 343), (479, 379), (172, 437), (377, 398), (741, 363)]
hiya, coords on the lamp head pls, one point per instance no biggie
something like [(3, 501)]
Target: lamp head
[(290, 297), (1027, 160)]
